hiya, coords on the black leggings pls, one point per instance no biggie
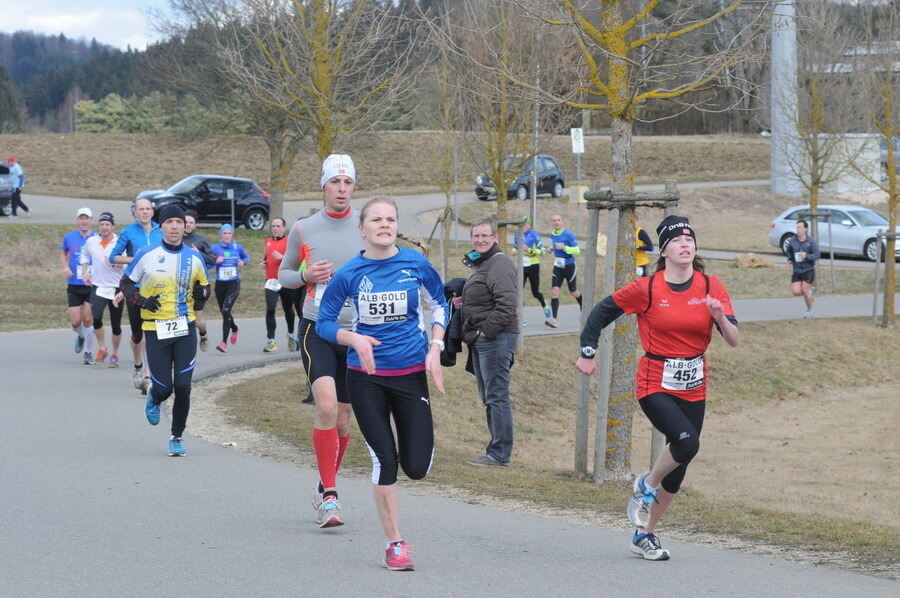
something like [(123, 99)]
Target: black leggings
[(227, 292), (98, 304), (374, 399), (16, 201), (287, 305), (173, 357), (135, 321), (533, 275), (681, 422)]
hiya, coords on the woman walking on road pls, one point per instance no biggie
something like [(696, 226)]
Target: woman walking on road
[(230, 257), (676, 309), (389, 353)]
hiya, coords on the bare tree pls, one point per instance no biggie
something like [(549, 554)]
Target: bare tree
[(881, 67), (826, 106), (632, 53), (495, 116), (309, 72)]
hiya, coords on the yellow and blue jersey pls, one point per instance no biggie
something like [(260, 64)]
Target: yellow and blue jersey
[(171, 274)]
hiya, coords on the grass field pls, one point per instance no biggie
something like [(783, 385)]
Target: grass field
[(35, 289), (118, 166), (776, 430)]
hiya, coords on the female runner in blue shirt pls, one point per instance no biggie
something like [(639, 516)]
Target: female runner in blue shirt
[(388, 356)]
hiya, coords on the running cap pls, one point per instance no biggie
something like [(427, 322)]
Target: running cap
[(107, 217), (84, 212), (527, 219), (225, 227), (337, 165), (674, 226), (171, 211), (10, 160)]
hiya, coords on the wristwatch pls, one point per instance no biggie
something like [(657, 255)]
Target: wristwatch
[(438, 342), (588, 352)]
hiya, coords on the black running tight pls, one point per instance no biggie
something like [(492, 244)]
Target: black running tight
[(227, 292), (680, 421)]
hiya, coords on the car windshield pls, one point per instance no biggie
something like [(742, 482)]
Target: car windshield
[(868, 218), (185, 184)]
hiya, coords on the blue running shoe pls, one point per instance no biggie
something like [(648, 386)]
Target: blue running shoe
[(547, 313), (646, 545), (151, 410), (79, 343), (641, 501), (176, 447)]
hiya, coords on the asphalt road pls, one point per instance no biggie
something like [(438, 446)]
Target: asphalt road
[(94, 507)]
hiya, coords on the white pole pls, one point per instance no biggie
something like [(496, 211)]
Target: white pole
[(785, 144)]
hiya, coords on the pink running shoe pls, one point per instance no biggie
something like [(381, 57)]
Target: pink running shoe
[(396, 557), (234, 337), (222, 348)]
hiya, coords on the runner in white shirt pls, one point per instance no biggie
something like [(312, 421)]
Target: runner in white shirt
[(104, 280)]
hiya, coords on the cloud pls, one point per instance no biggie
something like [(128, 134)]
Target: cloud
[(115, 27)]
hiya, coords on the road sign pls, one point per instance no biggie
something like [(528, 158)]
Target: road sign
[(577, 141)]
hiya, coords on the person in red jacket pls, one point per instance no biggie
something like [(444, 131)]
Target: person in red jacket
[(676, 309), (275, 248)]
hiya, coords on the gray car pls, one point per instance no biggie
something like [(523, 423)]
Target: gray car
[(6, 190), (853, 229)]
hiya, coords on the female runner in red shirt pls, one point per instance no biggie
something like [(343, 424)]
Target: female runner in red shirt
[(676, 309)]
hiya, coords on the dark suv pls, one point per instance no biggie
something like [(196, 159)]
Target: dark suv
[(211, 195), (550, 180)]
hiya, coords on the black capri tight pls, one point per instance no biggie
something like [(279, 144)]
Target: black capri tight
[(98, 304), (171, 363), (227, 292), (374, 399), (681, 422), (288, 299), (533, 275), (135, 321)]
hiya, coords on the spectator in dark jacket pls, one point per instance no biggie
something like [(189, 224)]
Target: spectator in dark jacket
[(491, 329)]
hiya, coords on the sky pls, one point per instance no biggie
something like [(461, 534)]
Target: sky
[(113, 22)]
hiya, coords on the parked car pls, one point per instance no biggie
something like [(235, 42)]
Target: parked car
[(550, 180), (884, 154), (853, 229), (210, 195), (6, 190)]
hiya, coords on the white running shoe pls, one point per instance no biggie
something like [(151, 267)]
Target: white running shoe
[(329, 513), (646, 545), (317, 498), (640, 503)]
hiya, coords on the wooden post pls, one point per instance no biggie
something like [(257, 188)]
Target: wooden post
[(604, 350), (584, 383)]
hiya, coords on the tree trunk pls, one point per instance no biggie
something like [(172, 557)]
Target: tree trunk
[(449, 220), (621, 391), (282, 153)]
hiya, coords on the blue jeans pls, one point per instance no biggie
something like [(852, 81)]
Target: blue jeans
[(492, 359)]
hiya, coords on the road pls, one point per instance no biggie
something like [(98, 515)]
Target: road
[(94, 507)]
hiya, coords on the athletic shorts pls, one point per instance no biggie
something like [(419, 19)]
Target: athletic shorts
[(322, 358), (569, 273), (78, 294), (808, 277)]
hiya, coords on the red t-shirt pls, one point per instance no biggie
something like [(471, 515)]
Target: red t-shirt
[(676, 324), (272, 264)]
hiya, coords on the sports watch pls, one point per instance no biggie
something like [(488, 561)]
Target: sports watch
[(588, 352)]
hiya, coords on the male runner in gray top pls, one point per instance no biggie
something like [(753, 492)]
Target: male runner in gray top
[(325, 241)]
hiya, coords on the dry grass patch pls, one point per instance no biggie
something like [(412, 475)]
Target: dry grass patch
[(790, 455), (118, 166)]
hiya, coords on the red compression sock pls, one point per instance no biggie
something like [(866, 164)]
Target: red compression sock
[(342, 448), (326, 445)]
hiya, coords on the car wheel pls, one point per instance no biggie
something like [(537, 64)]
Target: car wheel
[(7, 209), (255, 219), (870, 251), (784, 242), (521, 192), (557, 190), (483, 197)]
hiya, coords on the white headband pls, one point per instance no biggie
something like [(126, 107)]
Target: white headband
[(337, 165)]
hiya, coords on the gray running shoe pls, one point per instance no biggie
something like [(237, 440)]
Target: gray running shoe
[(292, 344), (487, 460), (317, 498), (88, 358), (646, 545), (329, 513), (137, 378), (204, 343), (640, 503)]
